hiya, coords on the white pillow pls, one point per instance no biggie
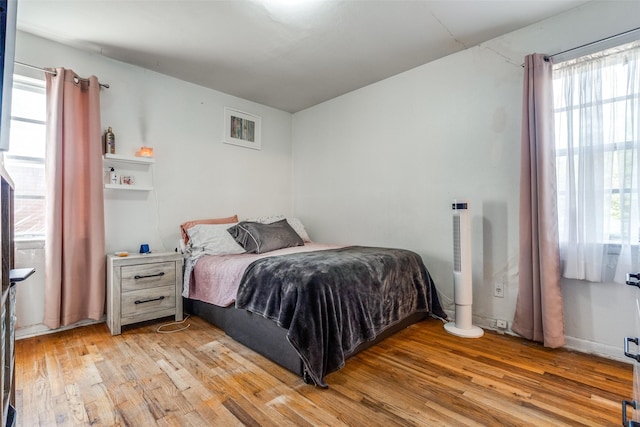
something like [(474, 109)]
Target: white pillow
[(214, 239), (295, 223), (267, 219)]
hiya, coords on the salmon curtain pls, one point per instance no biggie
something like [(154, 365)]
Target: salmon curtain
[(75, 238), (539, 311)]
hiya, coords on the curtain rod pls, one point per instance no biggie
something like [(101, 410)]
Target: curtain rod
[(104, 85), (615, 36)]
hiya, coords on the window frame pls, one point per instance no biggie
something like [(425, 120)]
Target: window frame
[(38, 86)]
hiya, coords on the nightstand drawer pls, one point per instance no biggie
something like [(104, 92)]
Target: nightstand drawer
[(136, 277), (148, 300)]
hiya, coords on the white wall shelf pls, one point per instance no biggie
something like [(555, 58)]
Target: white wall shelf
[(127, 187), (129, 159), (137, 168)]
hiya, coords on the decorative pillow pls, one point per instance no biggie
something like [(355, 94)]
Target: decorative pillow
[(259, 238), (295, 223), (214, 239), (187, 225)]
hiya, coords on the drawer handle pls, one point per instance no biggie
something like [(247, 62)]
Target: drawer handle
[(137, 276), (627, 353), (626, 403), (633, 279), (149, 300)]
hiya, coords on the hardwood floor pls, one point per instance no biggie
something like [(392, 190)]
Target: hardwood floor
[(421, 376)]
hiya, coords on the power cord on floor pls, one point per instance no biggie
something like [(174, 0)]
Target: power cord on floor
[(161, 330)]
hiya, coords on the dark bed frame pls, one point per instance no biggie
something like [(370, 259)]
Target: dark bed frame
[(266, 337)]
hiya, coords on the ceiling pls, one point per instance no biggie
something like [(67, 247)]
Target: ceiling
[(287, 54)]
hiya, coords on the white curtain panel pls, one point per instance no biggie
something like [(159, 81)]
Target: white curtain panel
[(597, 121)]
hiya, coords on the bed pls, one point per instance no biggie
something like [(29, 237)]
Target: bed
[(306, 306)]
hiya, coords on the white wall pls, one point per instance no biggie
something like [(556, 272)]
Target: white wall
[(381, 166), (195, 174)]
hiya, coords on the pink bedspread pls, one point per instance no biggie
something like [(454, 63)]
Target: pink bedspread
[(216, 277)]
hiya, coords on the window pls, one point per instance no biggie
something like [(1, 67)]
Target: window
[(25, 159), (597, 136)]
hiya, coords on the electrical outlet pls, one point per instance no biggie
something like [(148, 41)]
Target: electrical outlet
[(502, 324), (498, 290)]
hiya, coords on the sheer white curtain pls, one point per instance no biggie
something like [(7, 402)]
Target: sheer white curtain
[(597, 119)]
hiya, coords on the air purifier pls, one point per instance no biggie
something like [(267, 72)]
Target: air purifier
[(462, 276)]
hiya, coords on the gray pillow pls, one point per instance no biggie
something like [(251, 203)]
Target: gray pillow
[(259, 238)]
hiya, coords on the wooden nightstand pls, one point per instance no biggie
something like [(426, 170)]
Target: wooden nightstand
[(143, 287)]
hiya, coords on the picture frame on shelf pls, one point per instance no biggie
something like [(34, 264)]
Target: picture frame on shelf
[(242, 129)]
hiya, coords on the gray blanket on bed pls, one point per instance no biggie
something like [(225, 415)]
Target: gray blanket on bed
[(332, 300)]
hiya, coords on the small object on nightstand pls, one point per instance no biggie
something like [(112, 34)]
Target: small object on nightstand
[(122, 253), (144, 248)]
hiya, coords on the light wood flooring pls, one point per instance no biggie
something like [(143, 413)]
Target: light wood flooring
[(421, 376)]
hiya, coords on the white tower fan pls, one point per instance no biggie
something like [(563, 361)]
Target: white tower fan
[(462, 280)]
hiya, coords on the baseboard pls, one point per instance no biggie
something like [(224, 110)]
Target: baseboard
[(574, 344), (40, 329), (597, 349)]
